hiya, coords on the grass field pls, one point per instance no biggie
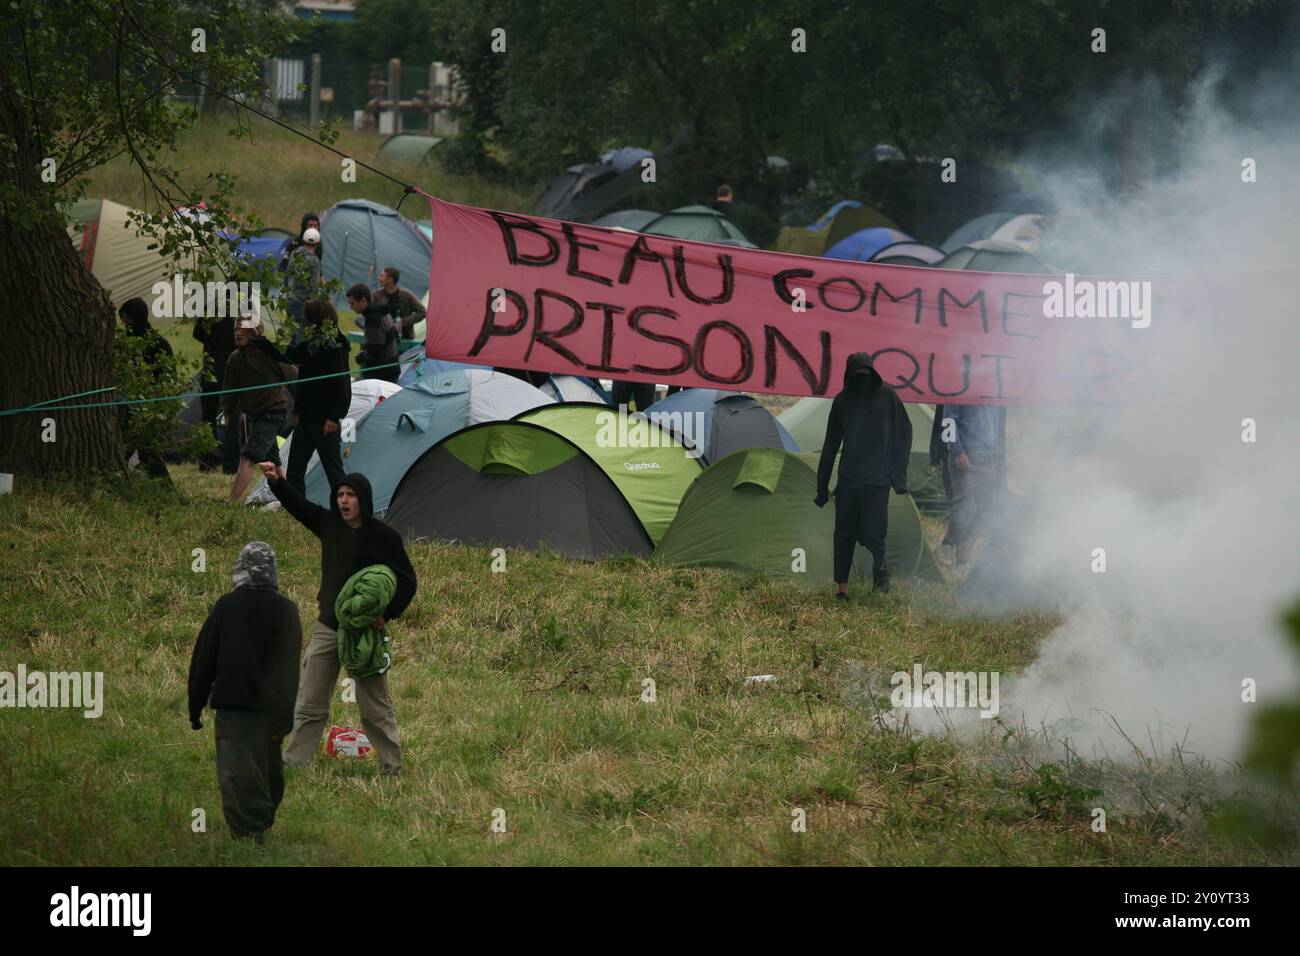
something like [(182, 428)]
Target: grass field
[(521, 691)]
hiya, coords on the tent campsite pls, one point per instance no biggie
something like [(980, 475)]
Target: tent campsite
[(751, 510)]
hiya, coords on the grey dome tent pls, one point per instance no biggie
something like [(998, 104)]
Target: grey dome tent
[(981, 227), (584, 191), (718, 422), (701, 224), (997, 255), (908, 254), (359, 238)]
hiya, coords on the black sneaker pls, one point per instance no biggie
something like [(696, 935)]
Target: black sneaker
[(841, 595)]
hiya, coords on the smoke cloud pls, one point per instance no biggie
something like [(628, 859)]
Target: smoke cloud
[(1201, 530)]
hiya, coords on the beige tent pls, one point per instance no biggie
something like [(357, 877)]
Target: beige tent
[(115, 254)]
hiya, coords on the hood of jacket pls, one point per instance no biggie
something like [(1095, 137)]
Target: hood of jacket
[(858, 365), (361, 485), (256, 568), (136, 312)]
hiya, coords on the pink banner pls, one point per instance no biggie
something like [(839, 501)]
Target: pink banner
[(520, 292)]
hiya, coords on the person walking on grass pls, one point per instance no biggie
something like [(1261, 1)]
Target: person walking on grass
[(245, 664), (351, 539), (320, 403), (258, 367), (868, 418)]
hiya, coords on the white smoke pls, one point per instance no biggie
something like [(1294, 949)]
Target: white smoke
[(1201, 530)]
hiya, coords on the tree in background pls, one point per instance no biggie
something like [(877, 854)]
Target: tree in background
[(81, 82), (974, 79)]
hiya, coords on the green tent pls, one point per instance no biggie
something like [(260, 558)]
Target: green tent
[(646, 463), (408, 148), (700, 223), (584, 481), (806, 419), (630, 219), (840, 221), (751, 510)]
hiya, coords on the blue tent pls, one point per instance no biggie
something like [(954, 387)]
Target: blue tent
[(718, 422), (407, 424), (865, 243), (359, 238), (416, 366), (268, 244)]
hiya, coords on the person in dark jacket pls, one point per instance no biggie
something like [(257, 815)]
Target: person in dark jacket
[(254, 379), (245, 664), (351, 538), (406, 310), (218, 338), (868, 418), (975, 470), (380, 351), (134, 314), (319, 405), (725, 201)]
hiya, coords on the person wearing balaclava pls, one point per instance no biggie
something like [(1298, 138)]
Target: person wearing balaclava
[(867, 417), (245, 665), (134, 314)]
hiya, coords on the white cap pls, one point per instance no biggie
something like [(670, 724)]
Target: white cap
[(311, 236)]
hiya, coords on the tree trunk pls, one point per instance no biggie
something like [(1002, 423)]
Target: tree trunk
[(57, 321)]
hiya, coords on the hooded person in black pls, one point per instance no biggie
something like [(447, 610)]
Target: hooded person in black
[(320, 405), (868, 418), (245, 663), (351, 538)]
